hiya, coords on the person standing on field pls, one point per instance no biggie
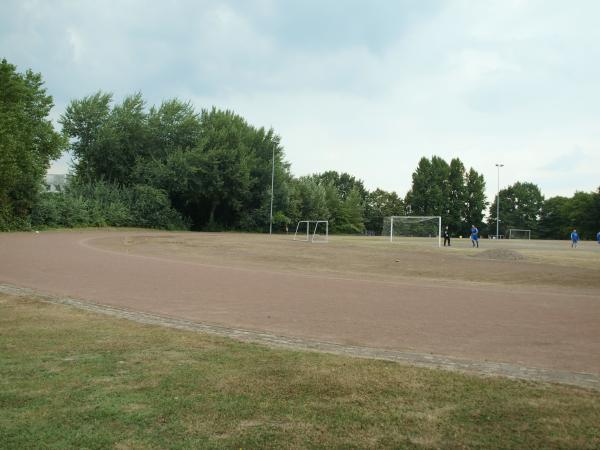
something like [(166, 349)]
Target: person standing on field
[(447, 236), (574, 239), (598, 237), (474, 236)]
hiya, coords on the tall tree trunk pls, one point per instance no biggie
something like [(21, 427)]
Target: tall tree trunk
[(211, 218)]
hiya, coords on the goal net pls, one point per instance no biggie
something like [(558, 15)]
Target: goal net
[(312, 231), (422, 227), (515, 233)]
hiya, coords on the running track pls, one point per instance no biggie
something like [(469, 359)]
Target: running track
[(535, 328)]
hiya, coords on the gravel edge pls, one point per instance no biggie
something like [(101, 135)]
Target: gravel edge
[(485, 368)]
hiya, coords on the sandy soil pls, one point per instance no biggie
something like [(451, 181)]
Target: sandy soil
[(528, 263), (525, 310)]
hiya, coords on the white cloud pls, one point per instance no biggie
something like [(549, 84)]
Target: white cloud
[(364, 90)]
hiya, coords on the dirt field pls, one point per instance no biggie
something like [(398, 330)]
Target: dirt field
[(529, 303), (540, 263)]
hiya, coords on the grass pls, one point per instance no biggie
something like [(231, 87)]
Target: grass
[(75, 379)]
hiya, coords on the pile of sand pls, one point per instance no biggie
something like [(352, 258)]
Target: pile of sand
[(502, 254)]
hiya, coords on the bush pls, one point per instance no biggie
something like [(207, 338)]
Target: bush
[(104, 204), (9, 222), (151, 208), (48, 210)]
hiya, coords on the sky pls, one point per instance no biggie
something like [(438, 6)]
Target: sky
[(362, 87)]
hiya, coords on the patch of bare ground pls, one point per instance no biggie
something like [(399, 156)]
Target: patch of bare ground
[(376, 259), (500, 254)]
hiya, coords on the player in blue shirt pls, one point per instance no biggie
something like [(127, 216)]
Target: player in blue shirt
[(574, 239), (598, 237), (474, 236)]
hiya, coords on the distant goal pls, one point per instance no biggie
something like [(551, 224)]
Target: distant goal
[(312, 231), (424, 227), (515, 233)]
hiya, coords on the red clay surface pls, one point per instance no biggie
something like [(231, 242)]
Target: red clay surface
[(545, 328)]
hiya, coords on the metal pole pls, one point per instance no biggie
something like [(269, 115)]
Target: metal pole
[(272, 186), (498, 203)]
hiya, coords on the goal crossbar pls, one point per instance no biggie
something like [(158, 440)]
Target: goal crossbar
[(416, 219), (513, 232), (312, 237)]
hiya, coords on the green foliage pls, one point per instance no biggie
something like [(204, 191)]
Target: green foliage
[(213, 166), (560, 215), (554, 218), (318, 197), (83, 122), (344, 183), (449, 191), (151, 208), (106, 142), (106, 204), (380, 204), (216, 170), (458, 201), (174, 125), (350, 212), (172, 167), (28, 143), (309, 200), (427, 196), (474, 200), (520, 207)]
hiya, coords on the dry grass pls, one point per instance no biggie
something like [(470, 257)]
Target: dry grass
[(74, 379), (539, 263)]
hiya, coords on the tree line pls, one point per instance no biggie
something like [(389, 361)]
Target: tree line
[(173, 167)]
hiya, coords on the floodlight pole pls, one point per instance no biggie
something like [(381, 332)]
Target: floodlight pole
[(498, 203), (272, 186)]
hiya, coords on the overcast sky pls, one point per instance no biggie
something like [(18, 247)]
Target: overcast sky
[(363, 87)]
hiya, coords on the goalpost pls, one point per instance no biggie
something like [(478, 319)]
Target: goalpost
[(316, 231), (413, 226), (516, 233)]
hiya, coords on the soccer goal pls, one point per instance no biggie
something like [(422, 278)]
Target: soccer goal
[(424, 227), (312, 231), (515, 233)]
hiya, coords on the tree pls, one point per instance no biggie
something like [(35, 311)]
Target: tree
[(350, 218), (174, 125), (380, 204), (520, 207), (554, 218), (249, 153), (82, 122), (264, 145), (344, 183), (428, 195), (456, 203), (447, 190), (215, 168), (583, 212), (309, 200), (474, 200), (107, 143), (28, 142)]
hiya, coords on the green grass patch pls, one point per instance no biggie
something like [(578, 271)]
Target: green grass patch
[(74, 379)]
